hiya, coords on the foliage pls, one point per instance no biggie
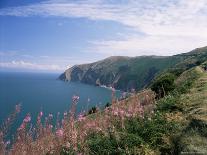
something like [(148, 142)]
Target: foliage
[(163, 84), (92, 110), (169, 103), (186, 80), (137, 133), (107, 105)]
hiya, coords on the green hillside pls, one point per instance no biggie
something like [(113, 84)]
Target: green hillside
[(126, 73), (194, 104), (178, 124), (122, 73)]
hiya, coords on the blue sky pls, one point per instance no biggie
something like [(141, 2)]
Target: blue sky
[(52, 35)]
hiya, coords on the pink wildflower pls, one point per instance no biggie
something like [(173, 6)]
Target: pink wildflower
[(59, 132), (128, 115), (65, 113), (18, 108), (122, 112), (75, 98), (81, 117), (22, 126), (27, 119), (133, 90), (8, 142), (41, 113), (115, 113), (50, 126), (113, 89)]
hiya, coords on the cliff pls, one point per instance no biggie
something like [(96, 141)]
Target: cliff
[(126, 73)]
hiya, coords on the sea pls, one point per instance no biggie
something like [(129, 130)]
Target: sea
[(45, 92)]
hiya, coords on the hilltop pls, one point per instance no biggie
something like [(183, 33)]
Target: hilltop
[(126, 73)]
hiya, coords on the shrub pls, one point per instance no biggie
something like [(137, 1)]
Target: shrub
[(168, 104), (163, 85), (186, 80), (92, 110), (138, 135), (107, 105), (151, 130), (114, 143)]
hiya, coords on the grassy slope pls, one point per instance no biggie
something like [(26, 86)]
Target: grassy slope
[(193, 136), (182, 129)]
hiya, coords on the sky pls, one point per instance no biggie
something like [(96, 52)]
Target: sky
[(52, 35)]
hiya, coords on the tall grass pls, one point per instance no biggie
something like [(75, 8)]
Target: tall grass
[(74, 135)]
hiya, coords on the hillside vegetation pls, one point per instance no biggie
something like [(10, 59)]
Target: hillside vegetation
[(193, 137), (178, 123), (128, 73), (123, 73)]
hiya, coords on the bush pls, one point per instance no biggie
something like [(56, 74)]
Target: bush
[(168, 104), (101, 144), (137, 135), (92, 110), (151, 130), (107, 105), (163, 84), (186, 80)]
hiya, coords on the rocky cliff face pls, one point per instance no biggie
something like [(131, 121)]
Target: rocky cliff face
[(99, 73), (120, 72), (125, 73)]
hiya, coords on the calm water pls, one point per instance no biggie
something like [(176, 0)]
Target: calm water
[(37, 92)]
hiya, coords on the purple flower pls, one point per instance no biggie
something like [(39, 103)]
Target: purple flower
[(50, 126), (133, 90), (27, 119), (18, 108), (128, 115), (22, 126), (8, 142), (81, 117), (41, 113), (59, 132), (116, 113), (113, 89), (75, 98)]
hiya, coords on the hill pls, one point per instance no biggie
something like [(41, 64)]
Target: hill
[(126, 73)]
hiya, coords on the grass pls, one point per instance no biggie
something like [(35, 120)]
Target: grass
[(195, 105)]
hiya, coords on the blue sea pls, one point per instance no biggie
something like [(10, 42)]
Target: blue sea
[(44, 92)]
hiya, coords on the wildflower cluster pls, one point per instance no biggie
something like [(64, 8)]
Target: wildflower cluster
[(70, 133)]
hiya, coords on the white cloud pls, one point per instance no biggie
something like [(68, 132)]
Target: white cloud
[(150, 45), (170, 26), (28, 65), (18, 60)]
